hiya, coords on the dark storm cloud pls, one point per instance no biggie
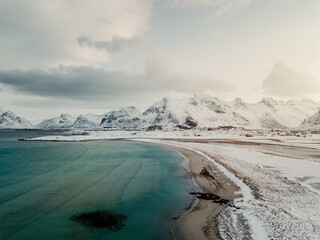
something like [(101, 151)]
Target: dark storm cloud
[(74, 82), (87, 83)]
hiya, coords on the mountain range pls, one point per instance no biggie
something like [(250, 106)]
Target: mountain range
[(193, 112)]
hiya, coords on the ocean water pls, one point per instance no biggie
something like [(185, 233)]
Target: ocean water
[(42, 184)]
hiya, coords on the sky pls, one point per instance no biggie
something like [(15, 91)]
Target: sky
[(81, 56)]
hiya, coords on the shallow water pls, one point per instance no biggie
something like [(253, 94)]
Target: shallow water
[(43, 184)]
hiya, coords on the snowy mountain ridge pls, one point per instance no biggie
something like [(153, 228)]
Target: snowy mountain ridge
[(10, 120), (63, 121), (312, 122), (122, 118), (211, 112), (88, 121), (198, 112)]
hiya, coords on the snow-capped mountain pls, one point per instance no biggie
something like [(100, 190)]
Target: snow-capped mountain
[(88, 121), (210, 112), (159, 113), (206, 111), (63, 121), (289, 114), (10, 120), (312, 122), (197, 112), (269, 113), (191, 112), (123, 118)]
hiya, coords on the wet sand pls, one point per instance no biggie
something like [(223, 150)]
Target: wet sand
[(201, 222)]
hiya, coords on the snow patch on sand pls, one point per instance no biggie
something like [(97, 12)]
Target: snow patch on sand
[(257, 228), (287, 209)]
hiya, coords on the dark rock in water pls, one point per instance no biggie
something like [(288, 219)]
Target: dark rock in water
[(215, 198), (100, 219)]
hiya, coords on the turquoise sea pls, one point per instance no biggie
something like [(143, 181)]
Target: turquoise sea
[(43, 184)]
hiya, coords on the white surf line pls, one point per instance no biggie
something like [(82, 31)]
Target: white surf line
[(258, 230)]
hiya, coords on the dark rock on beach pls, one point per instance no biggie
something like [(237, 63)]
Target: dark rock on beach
[(155, 127), (214, 198)]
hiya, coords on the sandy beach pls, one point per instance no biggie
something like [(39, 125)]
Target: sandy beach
[(259, 172), (201, 222)]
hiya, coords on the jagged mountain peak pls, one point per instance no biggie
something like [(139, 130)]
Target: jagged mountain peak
[(126, 111), (162, 103), (123, 118), (312, 122), (88, 121), (272, 103), (268, 101), (10, 120), (157, 107), (238, 100), (238, 103), (65, 115), (64, 120)]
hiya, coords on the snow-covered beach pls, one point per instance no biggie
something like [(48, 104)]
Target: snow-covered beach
[(276, 177), (167, 119)]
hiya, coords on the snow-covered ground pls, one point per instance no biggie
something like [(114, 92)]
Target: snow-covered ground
[(240, 133), (256, 230), (282, 173), (285, 202)]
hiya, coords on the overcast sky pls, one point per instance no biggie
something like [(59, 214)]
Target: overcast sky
[(81, 56)]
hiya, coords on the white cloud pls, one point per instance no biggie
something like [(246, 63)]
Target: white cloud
[(220, 6), (40, 33), (117, 44), (288, 82)]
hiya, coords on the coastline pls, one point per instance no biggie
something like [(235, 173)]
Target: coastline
[(257, 168), (200, 222)]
